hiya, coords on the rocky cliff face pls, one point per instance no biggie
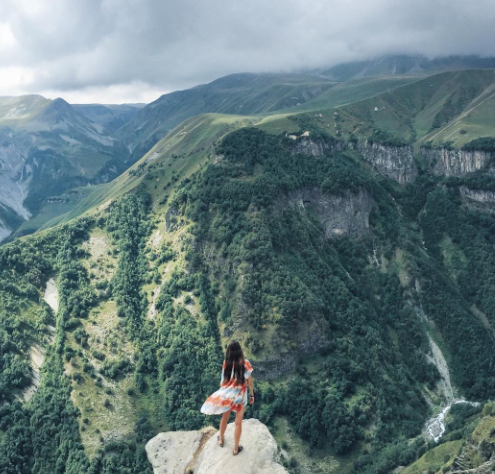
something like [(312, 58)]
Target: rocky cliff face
[(187, 452), (394, 162), (455, 162), (478, 199), (345, 214), (306, 145)]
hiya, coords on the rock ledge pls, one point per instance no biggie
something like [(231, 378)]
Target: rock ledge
[(187, 452)]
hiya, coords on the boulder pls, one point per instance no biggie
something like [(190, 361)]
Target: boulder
[(198, 452)]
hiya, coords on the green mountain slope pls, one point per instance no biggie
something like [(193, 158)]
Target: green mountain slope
[(430, 109), (415, 111), (140, 128), (243, 94)]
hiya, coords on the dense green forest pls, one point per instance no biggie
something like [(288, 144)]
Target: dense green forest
[(244, 252)]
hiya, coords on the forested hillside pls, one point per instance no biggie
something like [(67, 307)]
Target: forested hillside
[(350, 250), (337, 280)]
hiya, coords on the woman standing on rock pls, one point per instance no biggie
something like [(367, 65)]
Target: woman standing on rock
[(232, 395)]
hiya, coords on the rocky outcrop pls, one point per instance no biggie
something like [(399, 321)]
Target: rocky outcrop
[(171, 219), (478, 198), (345, 214), (394, 162), (456, 162), (306, 145), (187, 452)]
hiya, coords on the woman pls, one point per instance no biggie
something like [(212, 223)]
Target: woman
[(232, 395)]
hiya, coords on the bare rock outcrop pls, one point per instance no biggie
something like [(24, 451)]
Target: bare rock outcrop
[(184, 452), (394, 162), (454, 162), (345, 214), (309, 146), (478, 198)]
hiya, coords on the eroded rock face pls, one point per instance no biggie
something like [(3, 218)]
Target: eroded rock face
[(198, 452), (456, 162), (306, 145), (394, 162), (478, 199), (345, 214)]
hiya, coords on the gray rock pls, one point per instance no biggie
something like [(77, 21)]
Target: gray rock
[(198, 451), (172, 452), (394, 162), (315, 146), (345, 214), (455, 162), (478, 199)]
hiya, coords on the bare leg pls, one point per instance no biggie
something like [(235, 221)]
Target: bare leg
[(223, 425), (238, 428)]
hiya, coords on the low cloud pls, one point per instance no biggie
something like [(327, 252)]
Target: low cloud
[(134, 50)]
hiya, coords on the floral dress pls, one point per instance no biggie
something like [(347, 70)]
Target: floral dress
[(231, 395)]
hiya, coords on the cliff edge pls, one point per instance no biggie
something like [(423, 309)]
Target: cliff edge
[(187, 452)]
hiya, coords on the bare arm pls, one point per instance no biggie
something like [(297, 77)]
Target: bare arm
[(251, 389)]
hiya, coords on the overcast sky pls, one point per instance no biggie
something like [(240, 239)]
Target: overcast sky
[(113, 51)]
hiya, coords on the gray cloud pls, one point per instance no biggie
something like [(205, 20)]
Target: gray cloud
[(82, 48)]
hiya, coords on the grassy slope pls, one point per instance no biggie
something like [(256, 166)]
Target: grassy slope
[(176, 156), (56, 148), (354, 91), (18, 111), (451, 106), (245, 94), (249, 94)]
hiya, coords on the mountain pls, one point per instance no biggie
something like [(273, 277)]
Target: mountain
[(121, 128), (448, 107), (242, 94), (254, 94), (406, 64), (46, 148), (109, 116), (351, 251)]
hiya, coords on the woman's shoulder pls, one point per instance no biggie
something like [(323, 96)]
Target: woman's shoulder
[(247, 364)]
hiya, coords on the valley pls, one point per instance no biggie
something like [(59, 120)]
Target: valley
[(347, 242)]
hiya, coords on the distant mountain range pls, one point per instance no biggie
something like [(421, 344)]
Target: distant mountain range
[(48, 147)]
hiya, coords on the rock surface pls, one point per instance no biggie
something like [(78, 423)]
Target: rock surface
[(455, 162), (345, 214), (198, 452), (394, 162), (478, 199), (305, 145)]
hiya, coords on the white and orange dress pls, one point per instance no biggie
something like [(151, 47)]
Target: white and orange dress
[(231, 395)]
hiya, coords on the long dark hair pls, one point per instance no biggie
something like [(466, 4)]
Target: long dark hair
[(234, 359)]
